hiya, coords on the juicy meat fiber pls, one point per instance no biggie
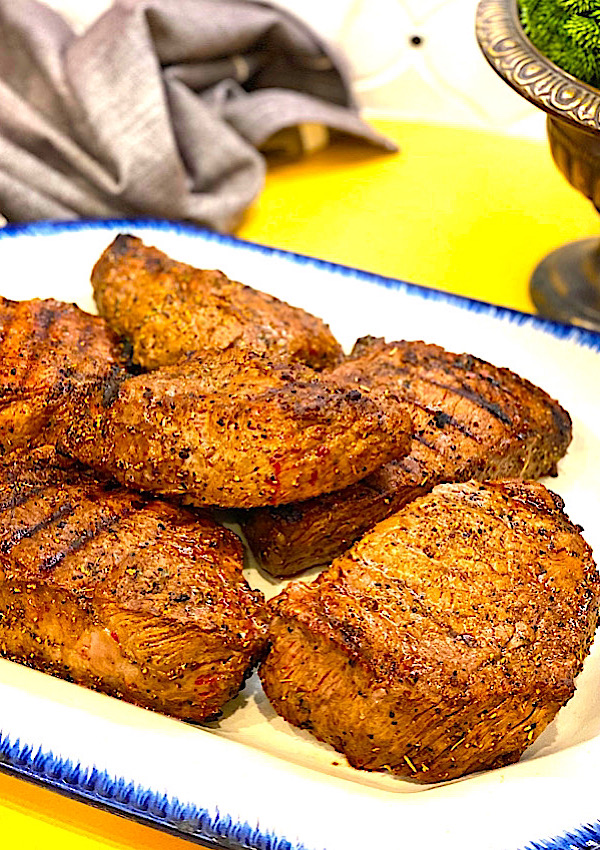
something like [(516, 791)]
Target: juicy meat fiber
[(446, 639), (168, 309), (47, 348), (232, 429), (132, 597), (471, 420)]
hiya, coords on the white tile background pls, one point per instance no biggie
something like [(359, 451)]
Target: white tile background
[(444, 79)]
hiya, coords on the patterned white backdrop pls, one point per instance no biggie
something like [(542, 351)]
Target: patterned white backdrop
[(413, 59)]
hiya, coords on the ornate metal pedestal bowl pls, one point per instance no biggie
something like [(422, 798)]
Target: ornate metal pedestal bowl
[(566, 284)]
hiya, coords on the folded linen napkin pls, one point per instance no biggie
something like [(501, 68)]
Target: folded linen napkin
[(159, 109)]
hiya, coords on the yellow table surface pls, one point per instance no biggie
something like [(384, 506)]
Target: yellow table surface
[(466, 211)]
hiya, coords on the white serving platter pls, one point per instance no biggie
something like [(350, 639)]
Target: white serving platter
[(250, 780)]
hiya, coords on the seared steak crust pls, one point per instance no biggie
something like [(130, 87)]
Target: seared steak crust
[(129, 596), (446, 639), (233, 429), (471, 420), (47, 347), (168, 309), (229, 428)]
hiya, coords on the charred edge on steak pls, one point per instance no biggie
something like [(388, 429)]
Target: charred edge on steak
[(45, 318), (122, 244), (562, 420), (127, 353), (111, 386)]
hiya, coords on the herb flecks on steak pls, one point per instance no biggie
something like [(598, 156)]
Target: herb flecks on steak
[(446, 639)]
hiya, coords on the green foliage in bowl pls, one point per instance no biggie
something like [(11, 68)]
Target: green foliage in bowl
[(567, 32)]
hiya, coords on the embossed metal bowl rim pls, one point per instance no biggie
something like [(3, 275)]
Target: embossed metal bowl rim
[(515, 58)]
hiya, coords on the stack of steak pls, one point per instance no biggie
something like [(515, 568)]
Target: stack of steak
[(117, 588), (470, 420), (442, 642)]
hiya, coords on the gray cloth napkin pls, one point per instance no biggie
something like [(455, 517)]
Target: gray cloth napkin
[(159, 109)]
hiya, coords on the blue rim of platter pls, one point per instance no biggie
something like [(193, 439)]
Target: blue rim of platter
[(115, 794), (587, 338)]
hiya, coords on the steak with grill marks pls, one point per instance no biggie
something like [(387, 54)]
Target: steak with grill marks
[(167, 309), (470, 420), (234, 429), (133, 597), (47, 348), (446, 639)]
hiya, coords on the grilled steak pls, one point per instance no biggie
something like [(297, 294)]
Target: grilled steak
[(471, 420), (167, 309), (47, 347), (132, 597), (446, 639), (232, 429), (225, 428)]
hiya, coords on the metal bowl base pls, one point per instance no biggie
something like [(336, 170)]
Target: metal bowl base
[(565, 286)]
